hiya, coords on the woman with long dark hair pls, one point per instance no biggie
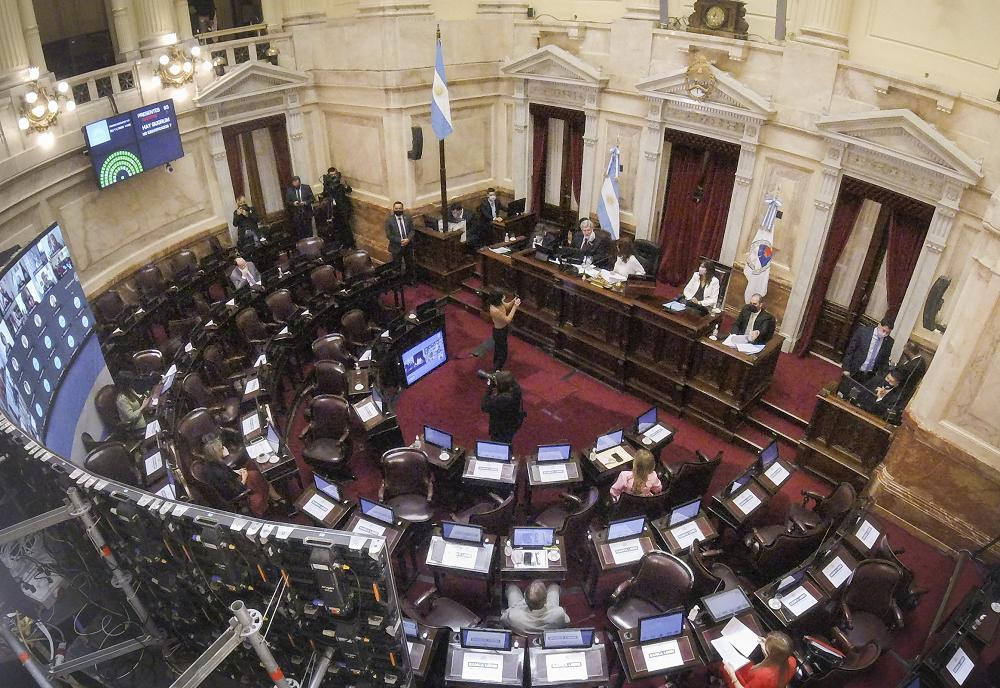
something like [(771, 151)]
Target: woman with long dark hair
[(503, 403), (501, 313)]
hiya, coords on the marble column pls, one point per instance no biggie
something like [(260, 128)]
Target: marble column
[(32, 41), (14, 55), (819, 227), (825, 23), (651, 146), (521, 141), (741, 194), (271, 14), (183, 17), (590, 163), (155, 23), (123, 18)]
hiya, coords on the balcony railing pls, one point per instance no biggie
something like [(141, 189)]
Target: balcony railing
[(101, 83), (223, 35)]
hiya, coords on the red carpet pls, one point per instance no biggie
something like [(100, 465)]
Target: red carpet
[(563, 404)]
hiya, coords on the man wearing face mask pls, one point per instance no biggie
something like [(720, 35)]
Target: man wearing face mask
[(399, 231), (755, 322), (491, 207), (702, 290)]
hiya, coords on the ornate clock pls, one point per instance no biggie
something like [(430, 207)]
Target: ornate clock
[(720, 18)]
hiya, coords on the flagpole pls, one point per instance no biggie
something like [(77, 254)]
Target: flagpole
[(444, 171)]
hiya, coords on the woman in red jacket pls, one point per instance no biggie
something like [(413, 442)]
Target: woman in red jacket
[(775, 671)]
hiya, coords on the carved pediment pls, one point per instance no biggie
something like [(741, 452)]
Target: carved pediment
[(727, 93), (248, 80), (551, 63), (903, 135)]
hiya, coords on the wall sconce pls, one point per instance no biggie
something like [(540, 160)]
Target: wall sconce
[(272, 55), (219, 65), (176, 66), (40, 107)]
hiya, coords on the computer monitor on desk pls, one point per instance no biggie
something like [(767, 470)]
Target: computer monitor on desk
[(485, 639), (685, 512), (609, 440), (439, 438), (653, 629), (410, 629), (327, 488), (553, 452), (516, 207), (533, 538), (768, 455), (568, 638), (626, 528), (725, 604), (493, 451), (376, 511), (463, 533)]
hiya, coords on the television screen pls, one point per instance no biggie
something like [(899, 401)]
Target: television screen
[(46, 323), (132, 142), (423, 358)]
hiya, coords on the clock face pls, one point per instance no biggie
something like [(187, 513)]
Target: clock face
[(715, 17)]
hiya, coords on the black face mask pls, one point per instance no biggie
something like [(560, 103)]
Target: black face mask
[(397, 213), (754, 309)]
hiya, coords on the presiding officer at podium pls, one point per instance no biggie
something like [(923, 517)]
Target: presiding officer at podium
[(754, 322), (703, 287), (593, 244)]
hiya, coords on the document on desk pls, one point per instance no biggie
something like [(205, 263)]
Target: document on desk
[(251, 424), (837, 572), (317, 507), (625, 551), (675, 306), (776, 473), (366, 411), (657, 433), (749, 348), (153, 463), (798, 601), (746, 501), (867, 533), (459, 556), (663, 655), (734, 340), (479, 666), (188, 348), (152, 429), (740, 636), (501, 250), (687, 533), (489, 470), (167, 491), (960, 666), (730, 655), (616, 456), (552, 473), (566, 667), (368, 528), (253, 384), (258, 448)]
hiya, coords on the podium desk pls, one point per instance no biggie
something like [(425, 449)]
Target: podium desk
[(441, 258), (604, 467), (633, 660), (678, 539), (549, 564), (463, 560), (518, 225), (468, 668), (543, 475), (724, 383), (614, 556), (741, 509), (708, 631), (781, 609), (423, 648), (569, 667), (321, 508), (843, 442), (776, 475), (490, 475)]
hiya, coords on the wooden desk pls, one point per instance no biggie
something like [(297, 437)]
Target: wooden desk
[(441, 258), (707, 632), (506, 480), (724, 383), (594, 659), (812, 619), (669, 534), (832, 567), (549, 474), (596, 469), (313, 503), (518, 225), (634, 663), (511, 663), (843, 442), (776, 475), (643, 441), (729, 511), (393, 534), (603, 555), (479, 568), (423, 648)]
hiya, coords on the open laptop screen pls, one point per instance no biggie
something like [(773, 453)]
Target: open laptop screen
[(379, 512), (568, 638), (611, 439), (410, 628), (629, 527), (483, 639), (768, 455), (646, 420), (461, 532), (553, 452), (661, 626), (327, 488), (492, 451), (739, 483), (727, 603), (437, 437), (533, 537), (685, 512)]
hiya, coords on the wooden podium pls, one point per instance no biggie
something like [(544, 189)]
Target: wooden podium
[(519, 225), (843, 442), (725, 383), (441, 258)]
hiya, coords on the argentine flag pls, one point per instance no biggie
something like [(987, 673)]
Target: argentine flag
[(607, 206), (440, 107)]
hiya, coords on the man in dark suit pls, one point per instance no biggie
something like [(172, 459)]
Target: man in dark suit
[(868, 351), (754, 322), (887, 395), (491, 207), (299, 199), (339, 209), (399, 231), (911, 369), (593, 244), (245, 274)]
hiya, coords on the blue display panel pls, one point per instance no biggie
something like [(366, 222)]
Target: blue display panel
[(425, 357), (128, 144)]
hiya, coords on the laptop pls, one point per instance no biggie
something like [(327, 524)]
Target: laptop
[(553, 452), (609, 440), (461, 532), (665, 626), (460, 546), (626, 528), (790, 581), (410, 629), (492, 461), (493, 451), (440, 439), (327, 488), (485, 639), (533, 538), (725, 604), (568, 638), (684, 513), (516, 207), (738, 484), (376, 511), (768, 455), (658, 645), (647, 425)]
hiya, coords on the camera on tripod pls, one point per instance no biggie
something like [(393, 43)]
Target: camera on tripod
[(491, 378)]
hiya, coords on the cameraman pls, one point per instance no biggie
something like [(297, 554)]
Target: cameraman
[(339, 209), (246, 220), (503, 403)]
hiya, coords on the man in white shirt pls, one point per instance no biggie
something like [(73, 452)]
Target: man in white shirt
[(537, 612), (703, 287), (245, 274)]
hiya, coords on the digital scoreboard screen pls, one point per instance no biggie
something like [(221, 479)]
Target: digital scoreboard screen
[(128, 144)]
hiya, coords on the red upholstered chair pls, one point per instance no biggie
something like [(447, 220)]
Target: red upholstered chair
[(211, 497), (357, 264), (220, 401), (310, 247), (105, 401), (830, 509), (690, 479), (327, 435), (407, 486), (222, 367), (628, 504), (331, 378), (713, 576), (494, 515), (113, 460), (572, 517), (908, 594), (662, 583), (868, 609), (324, 280)]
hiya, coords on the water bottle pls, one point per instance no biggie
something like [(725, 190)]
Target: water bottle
[(417, 444), (715, 332)]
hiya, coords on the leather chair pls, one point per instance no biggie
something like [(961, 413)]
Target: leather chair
[(908, 594), (253, 330), (713, 576), (628, 505), (662, 582), (572, 518), (772, 550), (282, 306), (184, 263), (324, 280), (494, 515), (357, 332), (105, 401), (220, 367), (830, 509), (149, 281), (648, 255), (357, 264), (327, 435), (220, 402), (148, 363), (194, 426), (823, 671), (331, 378), (181, 328), (333, 347), (433, 610), (211, 497), (691, 479), (109, 309), (88, 442), (406, 484), (868, 609), (310, 247), (113, 460), (201, 306)]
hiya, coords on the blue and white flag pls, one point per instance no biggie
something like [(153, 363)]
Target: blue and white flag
[(607, 206), (440, 106), (758, 263)]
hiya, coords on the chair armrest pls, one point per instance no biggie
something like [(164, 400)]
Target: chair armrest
[(897, 616), (430, 489), (346, 434), (621, 590), (418, 603), (844, 642), (216, 408), (848, 620), (381, 493), (496, 498), (305, 431), (574, 501), (709, 553), (810, 495)]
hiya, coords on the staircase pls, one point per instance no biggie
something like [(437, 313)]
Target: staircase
[(766, 422)]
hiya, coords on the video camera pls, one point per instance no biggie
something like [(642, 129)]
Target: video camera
[(491, 378)]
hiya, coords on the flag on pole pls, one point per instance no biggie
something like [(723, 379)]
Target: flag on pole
[(607, 205), (440, 106), (758, 263)]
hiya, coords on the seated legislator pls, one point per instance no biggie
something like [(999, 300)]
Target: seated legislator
[(774, 671), (702, 289), (755, 322), (626, 263), (131, 405), (887, 394), (535, 613), (868, 351), (593, 244), (230, 483), (641, 480), (245, 274)]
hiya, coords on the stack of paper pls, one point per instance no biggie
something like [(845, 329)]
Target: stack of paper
[(740, 637), (675, 306), (625, 551)]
